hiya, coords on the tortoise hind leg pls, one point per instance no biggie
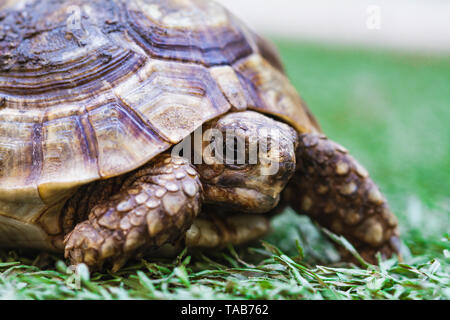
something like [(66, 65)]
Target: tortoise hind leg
[(333, 189), (215, 231), (153, 206)]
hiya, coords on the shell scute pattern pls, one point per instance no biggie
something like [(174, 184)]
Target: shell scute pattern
[(214, 37), (136, 77)]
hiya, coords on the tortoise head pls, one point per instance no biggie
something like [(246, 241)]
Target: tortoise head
[(248, 159)]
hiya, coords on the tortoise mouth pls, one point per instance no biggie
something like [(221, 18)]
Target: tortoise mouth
[(241, 199)]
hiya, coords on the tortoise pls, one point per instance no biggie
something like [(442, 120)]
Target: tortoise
[(95, 95)]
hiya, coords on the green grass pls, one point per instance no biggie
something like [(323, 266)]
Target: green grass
[(392, 111)]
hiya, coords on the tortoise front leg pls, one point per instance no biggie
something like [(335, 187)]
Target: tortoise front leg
[(333, 189), (147, 209)]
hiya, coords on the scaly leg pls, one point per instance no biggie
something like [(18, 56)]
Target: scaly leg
[(128, 215), (214, 231), (332, 188)]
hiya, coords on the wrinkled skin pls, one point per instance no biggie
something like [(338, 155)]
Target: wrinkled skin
[(161, 203)]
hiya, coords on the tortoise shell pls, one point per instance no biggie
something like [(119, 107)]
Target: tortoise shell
[(94, 89)]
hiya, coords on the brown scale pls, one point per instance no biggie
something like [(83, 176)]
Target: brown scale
[(336, 191), (154, 206)]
